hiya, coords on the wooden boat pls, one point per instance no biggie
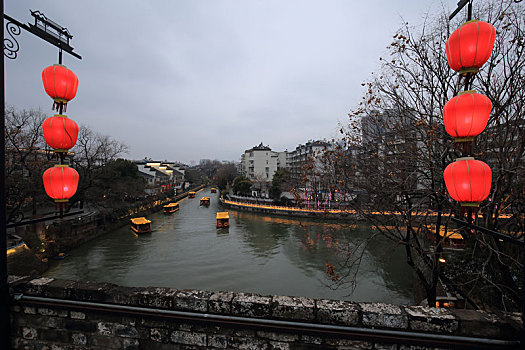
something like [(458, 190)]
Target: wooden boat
[(223, 219), (191, 194), (213, 190), (205, 201), (60, 256), (141, 225), (171, 208)]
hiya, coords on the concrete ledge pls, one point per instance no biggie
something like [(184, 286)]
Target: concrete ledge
[(251, 305), (44, 325), (338, 312)]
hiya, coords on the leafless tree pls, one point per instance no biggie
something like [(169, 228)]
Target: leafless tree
[(91, 153), (26, 159), (396, 150), (28, 156)]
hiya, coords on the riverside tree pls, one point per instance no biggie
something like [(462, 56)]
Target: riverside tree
[(225, 175), (26, 160), (117, 185), (396, 150), (204, 172), (28, 156), (280, 183), (242, 186), (93, 152)]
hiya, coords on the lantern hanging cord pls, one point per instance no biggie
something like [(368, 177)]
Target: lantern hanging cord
[(60, 107)]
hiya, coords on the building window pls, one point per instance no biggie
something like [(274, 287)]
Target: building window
[(267, 170)]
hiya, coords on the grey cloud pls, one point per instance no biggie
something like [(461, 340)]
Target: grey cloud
[(184, 80)]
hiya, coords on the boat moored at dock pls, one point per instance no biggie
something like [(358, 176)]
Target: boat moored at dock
[(223, 219), (171, 208), (140, 225)]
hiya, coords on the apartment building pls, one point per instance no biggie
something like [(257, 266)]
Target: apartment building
[(259, 163), (303, 153)]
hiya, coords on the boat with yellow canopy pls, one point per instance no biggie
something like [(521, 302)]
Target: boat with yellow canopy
[(171, 208), (223, 219), (141, 225)]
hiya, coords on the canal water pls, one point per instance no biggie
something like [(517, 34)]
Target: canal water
[(257, 253)]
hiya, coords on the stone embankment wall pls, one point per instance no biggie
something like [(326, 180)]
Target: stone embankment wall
[(212, 320)]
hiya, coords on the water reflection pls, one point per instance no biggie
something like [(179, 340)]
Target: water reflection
[(263, 237), (263, 254)]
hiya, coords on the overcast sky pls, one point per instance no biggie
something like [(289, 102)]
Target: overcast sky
[(185, 80)]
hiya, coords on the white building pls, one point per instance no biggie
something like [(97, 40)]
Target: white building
[(282, 160), (160, 176), (259, 163)]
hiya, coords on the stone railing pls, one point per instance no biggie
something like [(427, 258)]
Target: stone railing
[(61, 314)]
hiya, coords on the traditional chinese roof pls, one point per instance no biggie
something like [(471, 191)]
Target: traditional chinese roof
[(260, 147), (222, 215), (140, 221)]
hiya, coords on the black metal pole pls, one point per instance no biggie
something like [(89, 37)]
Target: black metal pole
[(522, 330), (5, 326)]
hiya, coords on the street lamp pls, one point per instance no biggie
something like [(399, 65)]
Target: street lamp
[(60, 37)]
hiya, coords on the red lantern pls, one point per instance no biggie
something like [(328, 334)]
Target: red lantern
[(466, 115), (60, 132), (468, 181), (60, 83), (60, 182), (470, 46)]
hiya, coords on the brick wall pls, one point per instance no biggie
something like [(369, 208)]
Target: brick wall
[(68, 327)]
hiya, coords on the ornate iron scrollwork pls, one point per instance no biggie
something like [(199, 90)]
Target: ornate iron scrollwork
[(11, 46)]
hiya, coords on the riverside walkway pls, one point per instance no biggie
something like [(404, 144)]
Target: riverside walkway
[(282, 210), (335, 213)]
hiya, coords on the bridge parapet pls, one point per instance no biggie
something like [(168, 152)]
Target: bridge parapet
[(76, 315)]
